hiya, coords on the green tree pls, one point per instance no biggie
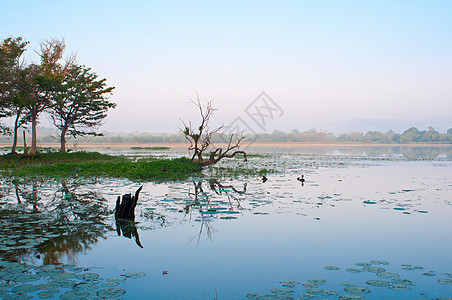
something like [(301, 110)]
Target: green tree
[(80, 104), (410, 135), (12, 72), (45, 82)]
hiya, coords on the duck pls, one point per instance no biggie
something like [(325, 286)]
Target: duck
[(264, 179), (301, 179)]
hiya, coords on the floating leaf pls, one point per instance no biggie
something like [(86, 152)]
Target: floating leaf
[(87, 276), (399, 287), (378, 283), (71, 295), (356, 289), (350, 297), (62, 276), (374, 269), (379, 262), (134, 275), (445, 281), (354, 270), (282, 291), (387, 274), (25, 288), (289, 283), (110, 293), (48, 294), (314, 291), (47, 286), (331, 268), (317, 281), (401, 281)]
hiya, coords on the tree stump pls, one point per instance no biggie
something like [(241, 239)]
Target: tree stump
[(125, 209)]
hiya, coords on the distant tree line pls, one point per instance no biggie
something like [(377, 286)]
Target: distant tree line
[(409, 136), (72, 95)]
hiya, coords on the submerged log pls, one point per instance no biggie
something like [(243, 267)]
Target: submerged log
[(125, 209)]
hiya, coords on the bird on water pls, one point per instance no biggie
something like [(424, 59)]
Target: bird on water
[(301, 179)]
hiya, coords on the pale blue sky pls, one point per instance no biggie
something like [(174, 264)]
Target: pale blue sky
[(332, 65)]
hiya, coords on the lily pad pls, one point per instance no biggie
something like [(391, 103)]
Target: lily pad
[(445, 281), (134, 275), (25, 288), (379, 262), (354, 270), (387, 274), (289, 283), (401, 281), (399, 287), (47, 286), (282, 291), (48, 294), (110, 293), (87, 276), (378, 283), (62, 276), (317, 281), (331, 268), (356, 289), (350, 297), (374, 269), (71, 295), (314, 291), (113, 281), (27, 278)]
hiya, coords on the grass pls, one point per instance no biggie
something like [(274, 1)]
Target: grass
[(87, 164)]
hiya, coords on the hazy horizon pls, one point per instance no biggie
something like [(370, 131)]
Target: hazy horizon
[(334, 66)]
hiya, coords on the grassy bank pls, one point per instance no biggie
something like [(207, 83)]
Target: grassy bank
[(95, 164)]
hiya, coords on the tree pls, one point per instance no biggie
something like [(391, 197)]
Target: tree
[(44, 82), (80, 104), (12, 72), (410, 135), (200, 139)]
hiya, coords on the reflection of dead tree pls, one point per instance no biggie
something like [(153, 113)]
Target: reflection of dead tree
[(201, 138), (208, 228), (213, 183), (129, 230)]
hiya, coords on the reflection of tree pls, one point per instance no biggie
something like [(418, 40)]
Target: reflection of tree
[(128, 230), (67, 224), (202, 202)]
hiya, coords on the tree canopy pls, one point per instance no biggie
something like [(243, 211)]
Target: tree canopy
[(71, 94)]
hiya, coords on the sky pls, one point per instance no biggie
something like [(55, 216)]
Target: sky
[(338, 66)]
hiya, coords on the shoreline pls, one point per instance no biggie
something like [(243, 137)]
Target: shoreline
[(82, 146)]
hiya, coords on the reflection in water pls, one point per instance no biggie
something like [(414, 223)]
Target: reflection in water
[(128, 229), (51, 227)]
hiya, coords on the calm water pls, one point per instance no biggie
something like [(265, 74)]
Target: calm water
[(365, 216)]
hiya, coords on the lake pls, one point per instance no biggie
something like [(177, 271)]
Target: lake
[(368, 222)]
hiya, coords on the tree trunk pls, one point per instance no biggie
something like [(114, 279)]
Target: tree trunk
[(33, 134), (125, 209), (63, 140), (16, 128)]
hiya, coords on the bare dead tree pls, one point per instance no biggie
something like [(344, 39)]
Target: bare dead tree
[(200, 138)]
